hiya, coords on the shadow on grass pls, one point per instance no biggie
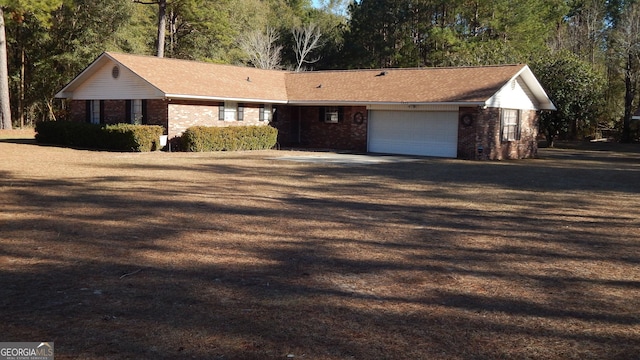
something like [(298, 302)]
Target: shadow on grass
[(227, 260), (19, 141)]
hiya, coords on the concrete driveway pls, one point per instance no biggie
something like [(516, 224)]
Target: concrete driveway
[(348, 159)]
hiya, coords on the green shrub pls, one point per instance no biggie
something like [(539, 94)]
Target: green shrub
[(119, 137), (68, 133), (232, 138), (127, 137)]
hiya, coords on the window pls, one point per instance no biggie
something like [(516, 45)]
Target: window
[(330, 114), (265, 112), (94, 111), (136, 112), (510, 125), (228, 111)]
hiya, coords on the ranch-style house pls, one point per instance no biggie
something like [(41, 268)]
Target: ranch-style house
[(484, 112)]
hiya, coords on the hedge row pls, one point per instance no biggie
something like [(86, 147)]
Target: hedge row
[(120, 137), (203, 138)]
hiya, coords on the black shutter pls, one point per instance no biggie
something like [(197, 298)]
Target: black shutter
[(101, 111), (145, 121), (502, 125), (127, 113), (340, 114), (87, 106), (322, 113), (518, 124)]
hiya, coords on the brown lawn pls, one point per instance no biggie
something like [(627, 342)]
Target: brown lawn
[(244, 256)]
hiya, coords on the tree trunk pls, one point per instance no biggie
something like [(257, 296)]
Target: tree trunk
[(629, 95), (21, 99), (5, 107), (550, 138), (162, 24)]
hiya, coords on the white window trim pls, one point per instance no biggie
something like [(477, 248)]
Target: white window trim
[(510, 125), (230, 111), (332, 115)]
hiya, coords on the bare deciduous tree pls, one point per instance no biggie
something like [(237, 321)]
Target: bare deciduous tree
[(262, 49), (306, 39)]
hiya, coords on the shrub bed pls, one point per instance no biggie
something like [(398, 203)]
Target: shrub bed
[(204, 138), (119, 137)]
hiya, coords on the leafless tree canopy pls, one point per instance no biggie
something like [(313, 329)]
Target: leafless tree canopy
[(306, 40), (262, 49)]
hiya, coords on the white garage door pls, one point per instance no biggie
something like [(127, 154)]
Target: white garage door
[(414, 133)]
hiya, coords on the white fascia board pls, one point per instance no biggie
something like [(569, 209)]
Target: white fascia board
[(62, 94), (67, 91), (369, 103), (219, 98), (536, 88)]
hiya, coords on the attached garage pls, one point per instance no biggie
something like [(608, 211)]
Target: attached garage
[(424, 133), (413, 111)]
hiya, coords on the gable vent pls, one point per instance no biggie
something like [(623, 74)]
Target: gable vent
[(115, 72)]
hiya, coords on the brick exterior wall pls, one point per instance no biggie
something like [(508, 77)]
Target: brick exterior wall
[(78, 111), (157, 113), (481, 139), (184, 115), (301, 126), (115, 112)]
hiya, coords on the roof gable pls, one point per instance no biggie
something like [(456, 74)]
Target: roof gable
[(193, 79), (185, 79), (108, 79), (175, 78)]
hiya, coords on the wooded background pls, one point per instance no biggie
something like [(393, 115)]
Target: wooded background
[(586, 53)]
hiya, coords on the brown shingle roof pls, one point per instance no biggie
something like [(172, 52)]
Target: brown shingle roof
[(426, 85), (200, 79)]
